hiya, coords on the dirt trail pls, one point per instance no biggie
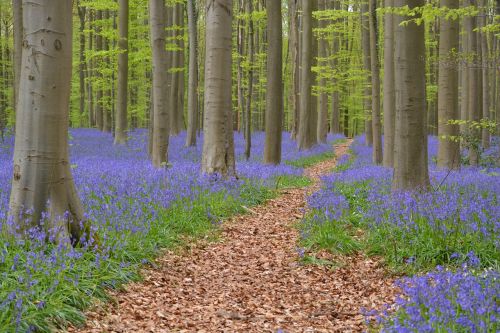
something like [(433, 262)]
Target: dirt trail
[(251, 281)]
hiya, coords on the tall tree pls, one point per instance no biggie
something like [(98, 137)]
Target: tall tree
[(389, 88), (410, 154), (218, 146), (176, 71), (42, 171), (322, 124), (473, 112), (485, 54), (17, 24), (250, 80), (449, 148), (82, 11), (274, 93), (365, 43), (193, 75), (375, 69), (122, 98), (306, 137), (99, 110), (293, 44), (160, 117)]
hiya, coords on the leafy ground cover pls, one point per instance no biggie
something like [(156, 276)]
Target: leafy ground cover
[(446, 240), (135, 211)]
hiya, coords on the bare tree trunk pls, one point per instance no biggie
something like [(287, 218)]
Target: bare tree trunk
[(81, 65), (218, 146), (485, 73), (107, 121), (410, 155), (473, 77), (90, 72), (449, 149), (122, 94), (322, 124), (17, 27), (176, 110), (389, 88), (365, 42), (99, 110), (335, 116), (294, 53), (193, 75), (160, 117), (375, 69), (41, 159), (305, 140), (251, 60), (274, 92)]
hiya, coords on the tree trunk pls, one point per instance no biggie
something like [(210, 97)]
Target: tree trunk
[(218, 146), (449, 149), (335, 116), (17, 27), (107, 121), (485, 74), (365, 43), (389, 88), (42, 171), (90, 72), (410, 155), (122, 94), (295, 65), (81, 65), (251, 60), (160, 117), (305, 136), (322, 124), (193, 75), (473, 76), (375, 69), (274, 91), (99, 116)]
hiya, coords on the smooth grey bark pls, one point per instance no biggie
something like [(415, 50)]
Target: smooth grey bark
[(218, 145), (42, 179), (122, 93), (250, 80), (81, 65), (473, 70), (17, 27), (160, 117), (193, 75), (176, 75), (241, 53), (410, 154), (375, 70), (90, 72), (485, 138), (295, 70), (274, 91), (335, 97), (322, 124), (107, 107), (306, 137), (99, 116), (449, 148), (389, 88), (365, 43)]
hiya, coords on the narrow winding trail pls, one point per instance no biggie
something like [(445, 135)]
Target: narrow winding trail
[(251, 281)]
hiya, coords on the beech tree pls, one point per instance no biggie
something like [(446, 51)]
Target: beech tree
[(160, 117), (42, 179), (193, 75), (274, 96), (449, 148), (375, 70), (389, 88), (218, 145), (410, 149), (121, 107)]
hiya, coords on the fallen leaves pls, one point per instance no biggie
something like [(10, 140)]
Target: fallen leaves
[(253, 281)]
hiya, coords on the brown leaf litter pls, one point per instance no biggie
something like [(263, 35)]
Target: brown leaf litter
[(251, 281)]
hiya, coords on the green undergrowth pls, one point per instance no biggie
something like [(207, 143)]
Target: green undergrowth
[(53, 300), (309, 161)]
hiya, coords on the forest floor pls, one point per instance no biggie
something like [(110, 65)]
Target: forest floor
[(254, 279)]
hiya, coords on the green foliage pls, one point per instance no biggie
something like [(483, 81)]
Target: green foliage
[(308, 161)]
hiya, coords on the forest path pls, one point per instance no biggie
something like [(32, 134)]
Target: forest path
[(251, 281)]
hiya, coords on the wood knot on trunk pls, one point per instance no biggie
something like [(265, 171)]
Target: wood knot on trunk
[(57, 44), (17, 172)]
